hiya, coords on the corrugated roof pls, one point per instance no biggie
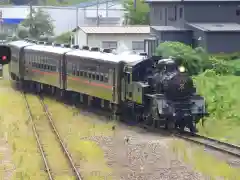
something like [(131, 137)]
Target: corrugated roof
[(216, 26), (168, 28), (192, 1), (116, 29)]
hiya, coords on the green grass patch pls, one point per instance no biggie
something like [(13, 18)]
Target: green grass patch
[(15, 126), (203, 162), (223, 100), (76, 131)]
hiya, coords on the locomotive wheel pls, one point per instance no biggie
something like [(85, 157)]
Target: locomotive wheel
[(148, 120), (192, 127), (169, 125)]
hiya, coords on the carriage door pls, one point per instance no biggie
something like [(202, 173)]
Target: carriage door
[(127, 83)]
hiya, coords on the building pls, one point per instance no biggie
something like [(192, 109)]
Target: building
[(67, 18), (126, 37), (102, 12), (214, 25)]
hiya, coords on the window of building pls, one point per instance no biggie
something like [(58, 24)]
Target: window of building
[(181, 12), (238, 12), (138, 45), (172, 13), (109, 44)]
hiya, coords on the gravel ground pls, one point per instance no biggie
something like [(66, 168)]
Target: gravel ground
[(6, 166), (146, 156)]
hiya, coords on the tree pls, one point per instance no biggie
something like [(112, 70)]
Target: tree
[(138, 16), (22, 32), (195, 60), (64, 38), (41, 24)]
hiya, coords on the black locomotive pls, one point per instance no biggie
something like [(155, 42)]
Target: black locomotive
[(149, 89)]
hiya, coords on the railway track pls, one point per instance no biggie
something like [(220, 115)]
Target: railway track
[(44, 129), (224, 147)]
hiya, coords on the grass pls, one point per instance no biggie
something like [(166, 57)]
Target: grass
[(204, 162), (15, 127), (76, 131), (222, 96)]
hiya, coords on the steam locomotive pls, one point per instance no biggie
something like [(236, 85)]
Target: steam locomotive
[(151, 90)]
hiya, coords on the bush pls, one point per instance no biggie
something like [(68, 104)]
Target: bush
[(64, 38), (194, 60), (221, 94), (3, 36), (22, 32)]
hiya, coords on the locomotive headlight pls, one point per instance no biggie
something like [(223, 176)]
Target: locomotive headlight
[(182, 69)]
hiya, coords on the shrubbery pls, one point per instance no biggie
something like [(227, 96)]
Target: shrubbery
[(196, 60)]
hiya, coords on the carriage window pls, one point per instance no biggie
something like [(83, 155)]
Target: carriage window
[(97, 77), (93, 76), (130, 94), (106, 78), (101, 77)]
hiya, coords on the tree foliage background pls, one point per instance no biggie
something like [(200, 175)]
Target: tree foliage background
[(195, 60), (41, 23), (138, 16)]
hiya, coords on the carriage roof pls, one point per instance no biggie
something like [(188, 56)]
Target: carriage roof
[(97, 55), (20, 43), (108, 57), (48, 49), (127, 57)]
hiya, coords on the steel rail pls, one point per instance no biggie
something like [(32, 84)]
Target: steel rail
[(221, 146), (66, 153), (40, 146)]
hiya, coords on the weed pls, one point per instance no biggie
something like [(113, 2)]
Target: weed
[(25, 156), (221, 93), (203, 162), (76, 131)]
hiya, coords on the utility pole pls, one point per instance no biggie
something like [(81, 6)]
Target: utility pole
[(76, 40), (31, 17), (1, 21), (135, 5), (97, 13)]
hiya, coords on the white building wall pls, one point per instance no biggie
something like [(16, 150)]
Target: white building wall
[(64, 18), (124, 41), (80, 38)]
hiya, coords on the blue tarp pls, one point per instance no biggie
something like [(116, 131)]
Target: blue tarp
[(12, 20)]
